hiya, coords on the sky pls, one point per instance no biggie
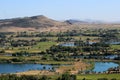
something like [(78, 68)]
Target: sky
[(104, 10)]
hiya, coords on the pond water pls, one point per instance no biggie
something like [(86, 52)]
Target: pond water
[(113, 43), (104, 66), (71, 44), (68, 44), (13, 68), (111, 56), (106, 56)]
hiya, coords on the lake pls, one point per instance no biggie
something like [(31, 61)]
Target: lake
[(104, 66), (13, 68), (71, 44)]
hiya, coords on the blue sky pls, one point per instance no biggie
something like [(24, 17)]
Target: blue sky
[(106, 10)]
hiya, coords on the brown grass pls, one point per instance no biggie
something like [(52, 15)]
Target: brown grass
[(73, 69), (36, 72)]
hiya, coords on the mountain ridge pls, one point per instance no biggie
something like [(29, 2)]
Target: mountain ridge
[(34, 21), (42, 23)]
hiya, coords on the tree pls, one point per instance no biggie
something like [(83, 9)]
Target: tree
[(65, 76), (44, 78)]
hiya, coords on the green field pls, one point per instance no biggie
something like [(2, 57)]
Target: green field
[(41, 46), (85, 37), (115, 46), (44, 45), (98, 76)]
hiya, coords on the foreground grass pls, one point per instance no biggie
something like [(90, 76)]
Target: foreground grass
[(98, 76)]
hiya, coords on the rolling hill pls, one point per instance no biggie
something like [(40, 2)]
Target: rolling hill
[(30, 23), (41, 23)]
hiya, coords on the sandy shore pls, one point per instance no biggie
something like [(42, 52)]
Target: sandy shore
[(36, 72)]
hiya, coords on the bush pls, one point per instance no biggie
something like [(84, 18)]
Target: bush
[(2, 51), (17, 60), (67, 76)]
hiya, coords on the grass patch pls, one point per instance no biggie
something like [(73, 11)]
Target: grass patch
[(42, 46), (55, 62), (97, 76), (35, 59), (115, 46), (84, 37)]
